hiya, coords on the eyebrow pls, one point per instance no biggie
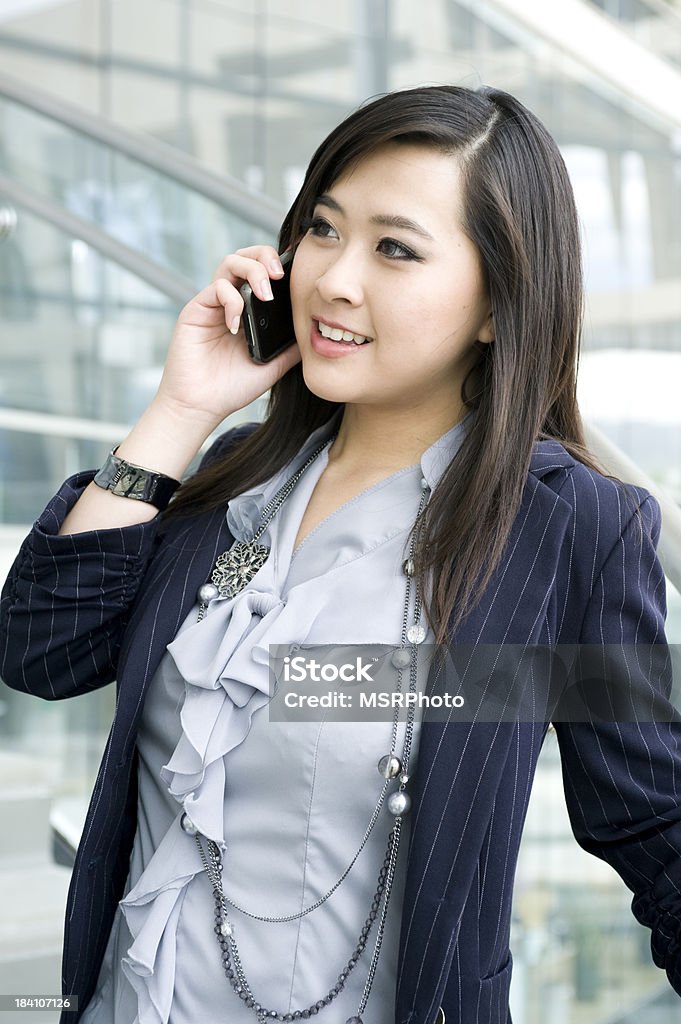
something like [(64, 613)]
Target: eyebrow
[(388, 220)]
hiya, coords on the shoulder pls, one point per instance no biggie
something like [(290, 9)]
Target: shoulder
[(603, 508), (583, 487)]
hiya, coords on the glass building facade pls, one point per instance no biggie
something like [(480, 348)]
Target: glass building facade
[(248, 91)]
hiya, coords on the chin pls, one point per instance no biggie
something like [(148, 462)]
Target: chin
[(320, 385)]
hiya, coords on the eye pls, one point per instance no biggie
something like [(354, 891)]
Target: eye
[(319, 227), (398, 251)]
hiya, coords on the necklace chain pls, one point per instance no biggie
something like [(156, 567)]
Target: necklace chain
[(269, 511), (230, 953), (213, 862), (313, 906)]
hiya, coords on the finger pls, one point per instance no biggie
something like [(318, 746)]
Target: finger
[(262, 264), (265, 254), (232, 301), (220, 299), (237, 269)]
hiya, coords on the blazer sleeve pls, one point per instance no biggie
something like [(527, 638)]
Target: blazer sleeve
[(622, 779), (65, 603)]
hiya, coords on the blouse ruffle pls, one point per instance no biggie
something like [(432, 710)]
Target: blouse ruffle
[(225, 662)]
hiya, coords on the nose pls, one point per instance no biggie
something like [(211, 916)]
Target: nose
[(341, 280)]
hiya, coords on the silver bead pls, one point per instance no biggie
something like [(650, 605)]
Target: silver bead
[(416, 634), (187, 825), (408, 567), (401, 658), (226, 928), (399, 803), (389, 766), (404, 779), (424, 483), (207, 592), (354, 1020)]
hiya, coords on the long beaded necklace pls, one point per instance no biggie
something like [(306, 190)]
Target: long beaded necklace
[(234, 569)]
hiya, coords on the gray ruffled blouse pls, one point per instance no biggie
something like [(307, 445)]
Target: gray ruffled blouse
[(288, 802)]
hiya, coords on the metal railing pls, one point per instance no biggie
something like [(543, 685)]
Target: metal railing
[(170, 284), (231, 195)]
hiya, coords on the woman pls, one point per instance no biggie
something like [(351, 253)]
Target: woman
[(421, 476)]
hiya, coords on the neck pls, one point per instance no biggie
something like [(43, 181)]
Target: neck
[(371, 438)]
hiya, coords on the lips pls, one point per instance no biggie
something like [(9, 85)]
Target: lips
[(340, 334), (330, 349)]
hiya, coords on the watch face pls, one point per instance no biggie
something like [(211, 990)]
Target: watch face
[(133, 483), (128, 481)]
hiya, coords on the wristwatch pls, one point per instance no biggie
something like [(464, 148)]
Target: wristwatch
[(130, 481)]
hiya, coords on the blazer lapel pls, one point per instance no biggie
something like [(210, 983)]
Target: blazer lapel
[(183, 564)]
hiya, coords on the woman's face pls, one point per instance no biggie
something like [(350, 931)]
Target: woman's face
[(386, 258)]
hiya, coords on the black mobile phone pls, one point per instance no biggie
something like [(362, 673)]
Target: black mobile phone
[(269, 325)]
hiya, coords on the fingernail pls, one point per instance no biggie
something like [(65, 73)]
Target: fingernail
[(276, 267), (234, 326), (266, 289)]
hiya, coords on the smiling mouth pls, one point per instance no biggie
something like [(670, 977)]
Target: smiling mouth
[(342, 337)]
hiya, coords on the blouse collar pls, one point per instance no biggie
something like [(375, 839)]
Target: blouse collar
[(243, 511)]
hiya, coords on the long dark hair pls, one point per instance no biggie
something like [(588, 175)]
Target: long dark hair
[(519, 211)]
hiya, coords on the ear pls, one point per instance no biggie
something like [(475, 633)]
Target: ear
[(486, 332)]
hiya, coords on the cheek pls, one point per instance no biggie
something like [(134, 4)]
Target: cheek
[(454, 310), (416, 318)]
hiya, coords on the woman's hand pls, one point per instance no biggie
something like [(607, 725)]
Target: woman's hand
[(209, 372), (208, 375)]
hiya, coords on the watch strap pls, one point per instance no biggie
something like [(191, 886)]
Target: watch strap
[(130, 481)]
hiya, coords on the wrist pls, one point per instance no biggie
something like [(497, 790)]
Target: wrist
[(185, 419), (165, 440)]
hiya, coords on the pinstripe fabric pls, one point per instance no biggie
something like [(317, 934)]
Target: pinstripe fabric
[(579, 566)]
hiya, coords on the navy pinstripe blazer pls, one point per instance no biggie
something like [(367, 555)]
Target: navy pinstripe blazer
[(580, 566)]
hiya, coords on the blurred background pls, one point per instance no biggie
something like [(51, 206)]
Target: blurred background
[(140, 141)]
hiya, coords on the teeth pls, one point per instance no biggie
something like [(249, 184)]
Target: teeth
[(336, 334)]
